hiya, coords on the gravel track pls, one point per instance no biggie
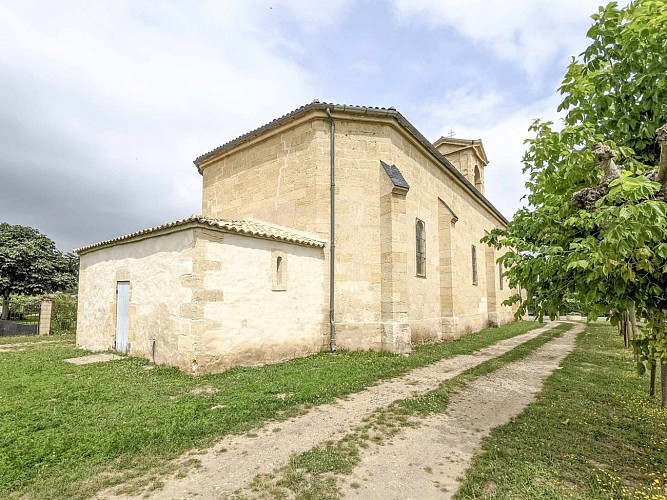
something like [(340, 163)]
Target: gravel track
[(234, 461)]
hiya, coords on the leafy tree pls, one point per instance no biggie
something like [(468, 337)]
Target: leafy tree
[(597, 233), (31, 264)]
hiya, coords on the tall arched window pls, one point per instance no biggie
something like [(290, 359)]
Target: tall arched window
[(474, 265), (420, 248)]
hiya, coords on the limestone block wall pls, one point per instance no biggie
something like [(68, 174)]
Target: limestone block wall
[(434, 196), (360, 191), (253, 316), (203, 300), (465, 159), (157, 269), (283, 178)]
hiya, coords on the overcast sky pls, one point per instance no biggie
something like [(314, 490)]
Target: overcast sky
[(104, 104)]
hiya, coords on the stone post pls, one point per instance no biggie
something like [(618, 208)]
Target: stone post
[(45, 308)]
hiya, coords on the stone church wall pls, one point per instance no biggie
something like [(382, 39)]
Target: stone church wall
[(283, 178)]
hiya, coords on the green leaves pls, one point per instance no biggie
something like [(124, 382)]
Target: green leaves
[(618, 83), (614, 93), (31, 264)]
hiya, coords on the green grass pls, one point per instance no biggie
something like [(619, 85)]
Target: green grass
[(35, 339), (67, 431), (593, 433)]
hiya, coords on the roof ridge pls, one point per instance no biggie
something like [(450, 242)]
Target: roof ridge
[(377, 111), (258, 229)]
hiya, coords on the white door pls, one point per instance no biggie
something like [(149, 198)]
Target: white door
[(122, 315)]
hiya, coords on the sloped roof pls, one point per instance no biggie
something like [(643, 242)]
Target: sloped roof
[(352, 111), (395, 176), (475, 144), (251, 228)]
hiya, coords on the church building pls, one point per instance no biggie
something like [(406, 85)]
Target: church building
[(330, 227)]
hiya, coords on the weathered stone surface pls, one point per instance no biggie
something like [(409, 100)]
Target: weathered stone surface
[(204, 302)]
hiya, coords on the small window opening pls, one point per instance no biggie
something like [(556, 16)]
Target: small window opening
[(474, 265), (279, 271), (478, 178), (420, 252)]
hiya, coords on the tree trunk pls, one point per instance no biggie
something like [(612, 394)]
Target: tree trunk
[(651, 384), (661, 177), (5, 306), (635, 330), (663, 381)]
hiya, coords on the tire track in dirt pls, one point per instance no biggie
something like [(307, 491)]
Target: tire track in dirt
[(236, 459), (427, 462)]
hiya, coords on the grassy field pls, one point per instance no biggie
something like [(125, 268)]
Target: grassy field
[(593, 433), (66, 431)]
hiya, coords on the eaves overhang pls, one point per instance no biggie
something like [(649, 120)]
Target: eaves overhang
[(255, 229)]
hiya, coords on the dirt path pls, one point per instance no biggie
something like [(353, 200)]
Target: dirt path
[(427, 461), (234, 461), (22, 346)]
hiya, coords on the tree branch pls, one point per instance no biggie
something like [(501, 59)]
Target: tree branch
[(586, 197), (605, 158), (661, 134)]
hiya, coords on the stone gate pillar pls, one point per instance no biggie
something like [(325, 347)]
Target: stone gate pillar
[(45, 308)]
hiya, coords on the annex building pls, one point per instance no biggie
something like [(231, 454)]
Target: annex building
[(252, 279)]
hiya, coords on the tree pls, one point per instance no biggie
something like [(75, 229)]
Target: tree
[(31, 264), (597, 233)]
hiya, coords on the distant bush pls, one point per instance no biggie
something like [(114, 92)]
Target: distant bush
[(23, 309), (63, 314), (24, 302)]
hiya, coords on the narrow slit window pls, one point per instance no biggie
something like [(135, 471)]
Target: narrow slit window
[(420, 253), (279, 271), (474, 265), (279, 276)]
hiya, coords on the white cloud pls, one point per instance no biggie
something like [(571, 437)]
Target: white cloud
[(109, 103), (314, 15), (528, 33), (503, 142), (467, 106)]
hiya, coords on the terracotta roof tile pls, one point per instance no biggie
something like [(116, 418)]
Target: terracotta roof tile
[(247, 227)]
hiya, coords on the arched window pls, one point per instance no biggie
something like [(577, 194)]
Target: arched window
[(478, 178), (279, 271), (279, 275), (420, 248), (474, 265)]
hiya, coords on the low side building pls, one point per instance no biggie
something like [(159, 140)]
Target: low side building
[(203, 295)]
